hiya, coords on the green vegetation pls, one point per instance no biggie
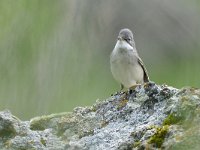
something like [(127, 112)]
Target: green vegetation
[(159, 136), (83, 134), (41, 123), (136, 144), (172, 119), (43, 141), (122, 103), (104, 123)]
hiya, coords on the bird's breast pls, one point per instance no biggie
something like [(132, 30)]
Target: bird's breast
[(125, 67), (123, 56)]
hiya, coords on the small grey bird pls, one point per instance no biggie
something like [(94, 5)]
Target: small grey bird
[(126, 65)]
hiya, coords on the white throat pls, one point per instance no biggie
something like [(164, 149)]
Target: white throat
[(123, 45)]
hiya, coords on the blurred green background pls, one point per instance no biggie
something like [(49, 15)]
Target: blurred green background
[(54, 54)]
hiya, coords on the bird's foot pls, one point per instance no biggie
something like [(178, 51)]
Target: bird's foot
[(131, 89)]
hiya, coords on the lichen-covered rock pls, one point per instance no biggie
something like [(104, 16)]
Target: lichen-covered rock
[(8, 124), (148, 117)]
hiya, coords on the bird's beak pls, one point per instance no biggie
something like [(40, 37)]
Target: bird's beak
[(119, 38)]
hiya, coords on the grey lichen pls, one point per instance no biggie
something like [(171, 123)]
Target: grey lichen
[(150, 116)]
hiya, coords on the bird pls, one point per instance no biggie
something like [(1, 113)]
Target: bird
[(126, 66)]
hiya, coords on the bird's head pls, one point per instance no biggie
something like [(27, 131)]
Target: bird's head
[(125, 35)]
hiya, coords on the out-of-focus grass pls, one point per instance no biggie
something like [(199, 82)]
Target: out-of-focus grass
[(177, 75), (54, 55), (25, 29)]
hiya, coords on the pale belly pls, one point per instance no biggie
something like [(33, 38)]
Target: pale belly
[(125, 69)]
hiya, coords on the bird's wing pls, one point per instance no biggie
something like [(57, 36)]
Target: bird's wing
[(146, 77)]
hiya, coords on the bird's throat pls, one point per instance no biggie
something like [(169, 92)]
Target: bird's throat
[(122, 45)]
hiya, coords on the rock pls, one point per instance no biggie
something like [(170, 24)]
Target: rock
[(150, 116), (8, 124)]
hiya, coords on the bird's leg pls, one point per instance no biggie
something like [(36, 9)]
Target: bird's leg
[(134, 86), (146, 84)]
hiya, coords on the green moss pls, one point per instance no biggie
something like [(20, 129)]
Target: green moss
[(43, 141), (93, 109), (41, 123), (122, 103), (172, 119), (104, 123), (7, 144), (8, 131), (159, 136), (136, 144), (83, 134)]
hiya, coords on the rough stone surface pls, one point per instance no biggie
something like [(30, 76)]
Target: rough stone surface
[(148, 117)]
